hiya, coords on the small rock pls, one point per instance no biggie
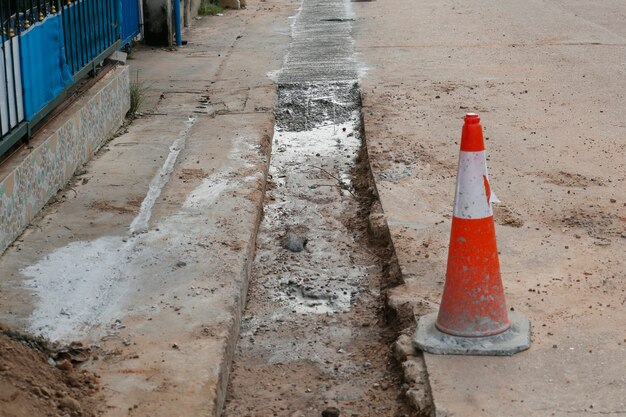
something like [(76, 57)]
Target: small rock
[(421, 400), (70, 404), (45, 391), (72, 381), (403, 347), (175, 346), (117, 325), (181, 264), (294, 242), (331, 412), (65, 365)]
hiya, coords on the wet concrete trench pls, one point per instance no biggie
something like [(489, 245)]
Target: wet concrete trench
[(313, 338)]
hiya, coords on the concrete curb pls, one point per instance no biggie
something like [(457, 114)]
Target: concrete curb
[(31, 177), (246, 272)]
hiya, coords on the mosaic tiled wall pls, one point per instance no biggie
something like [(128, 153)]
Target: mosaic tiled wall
[(75, 136)]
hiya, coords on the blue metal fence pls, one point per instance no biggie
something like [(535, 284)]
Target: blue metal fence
[(90, 27), (47, 46), (131, 20), (11, 101)]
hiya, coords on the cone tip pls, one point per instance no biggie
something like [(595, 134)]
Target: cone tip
[(472, 118), (472, 137)]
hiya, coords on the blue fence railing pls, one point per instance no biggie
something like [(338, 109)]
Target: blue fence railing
[(131, 20), (46, 47), (90, 27), (11, 99)]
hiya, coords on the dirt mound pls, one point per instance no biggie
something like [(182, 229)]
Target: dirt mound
[(38, 378)]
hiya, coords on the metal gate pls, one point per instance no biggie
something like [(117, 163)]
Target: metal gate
[(46, 46), (11, 103), (130, 20)]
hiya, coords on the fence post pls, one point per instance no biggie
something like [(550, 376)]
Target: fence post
[(179, 35)]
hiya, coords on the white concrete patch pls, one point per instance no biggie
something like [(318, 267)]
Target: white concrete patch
[(206, 193), (323, 140), (273, 75), (77, 284), (302, 305), (85, 286), (140, 223)]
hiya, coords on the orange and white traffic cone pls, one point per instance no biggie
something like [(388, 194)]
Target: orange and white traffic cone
[(472, 318)]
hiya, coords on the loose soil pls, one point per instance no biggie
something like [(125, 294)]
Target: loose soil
[(40, 379)]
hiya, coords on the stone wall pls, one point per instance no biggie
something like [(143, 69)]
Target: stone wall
[(36, 173)]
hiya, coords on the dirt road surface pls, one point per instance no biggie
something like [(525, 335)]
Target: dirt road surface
[(548, 79)]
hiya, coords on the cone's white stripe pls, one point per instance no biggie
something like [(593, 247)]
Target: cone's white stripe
[(472, 181)]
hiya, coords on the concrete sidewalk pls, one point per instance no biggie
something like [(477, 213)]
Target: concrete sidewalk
[(549, 80), (147, 254)]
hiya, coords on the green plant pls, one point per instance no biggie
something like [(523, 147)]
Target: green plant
[(208, 8), (137, 96)]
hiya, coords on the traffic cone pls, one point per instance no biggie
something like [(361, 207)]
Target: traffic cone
[(473, 317)]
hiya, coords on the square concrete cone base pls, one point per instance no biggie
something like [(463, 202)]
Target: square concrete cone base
[(429, 339)]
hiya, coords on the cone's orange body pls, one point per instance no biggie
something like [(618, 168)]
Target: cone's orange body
[(473, 303)]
